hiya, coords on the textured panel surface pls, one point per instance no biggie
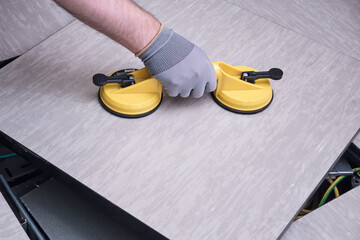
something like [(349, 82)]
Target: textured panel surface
[(338, 219), (25, 23), (10, 227), (335, 23), (191, 170), (357, 141)]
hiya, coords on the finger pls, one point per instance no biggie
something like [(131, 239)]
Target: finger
[(198, 91), (173, 92), (185, 93), (211, 85)]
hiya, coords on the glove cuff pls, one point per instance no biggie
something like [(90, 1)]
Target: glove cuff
[(147, 46), (167, 50)]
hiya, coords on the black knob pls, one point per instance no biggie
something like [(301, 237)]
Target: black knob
[(276, 73), (251, 76), (100, 79)]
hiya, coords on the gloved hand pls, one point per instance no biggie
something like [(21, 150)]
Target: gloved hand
[(179, 65)]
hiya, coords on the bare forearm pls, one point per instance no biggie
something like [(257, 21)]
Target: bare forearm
[(121, 20), (177, 63)]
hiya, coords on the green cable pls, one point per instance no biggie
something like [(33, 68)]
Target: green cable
[(330, 189), (8, 155)]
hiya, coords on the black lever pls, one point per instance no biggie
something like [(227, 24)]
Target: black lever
[(125, 80), (251, 76)]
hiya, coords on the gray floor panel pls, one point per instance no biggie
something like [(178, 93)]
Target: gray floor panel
[(191, 170), (334, 23), (338, 219)]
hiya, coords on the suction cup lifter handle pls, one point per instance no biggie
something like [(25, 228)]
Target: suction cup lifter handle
[(100, 79), (251, 76)]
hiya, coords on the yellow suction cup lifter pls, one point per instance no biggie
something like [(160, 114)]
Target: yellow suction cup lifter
[(129, 93), (133, 93), (243, 89)]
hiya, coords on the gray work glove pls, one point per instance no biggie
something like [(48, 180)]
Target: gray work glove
[(179, 65)]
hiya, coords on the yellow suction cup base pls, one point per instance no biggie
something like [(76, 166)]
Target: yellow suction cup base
[(135, 101), (141, 94), (237, 95), (241, 111)]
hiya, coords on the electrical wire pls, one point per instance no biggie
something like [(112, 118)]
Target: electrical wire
[(308, 203), (8, 155), (333, 185), (305, 211), (336, 190), (316, 201)]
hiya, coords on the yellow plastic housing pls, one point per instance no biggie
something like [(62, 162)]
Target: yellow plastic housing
[(136, 100), (237, 95), (145, 96)]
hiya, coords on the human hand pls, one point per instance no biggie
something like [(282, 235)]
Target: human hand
[(182, 67)]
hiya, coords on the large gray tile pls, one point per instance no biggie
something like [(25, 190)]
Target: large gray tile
[(357, 141), (191, 170), (25, 23), (335, 23), (338, 219), (10, 227)]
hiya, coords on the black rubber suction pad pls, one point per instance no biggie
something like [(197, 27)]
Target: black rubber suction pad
[(238, 111)]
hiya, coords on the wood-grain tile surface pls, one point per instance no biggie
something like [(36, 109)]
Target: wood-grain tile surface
[(334, 23), (357, 141), (338, 219), (191, 170), (25, 23)]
